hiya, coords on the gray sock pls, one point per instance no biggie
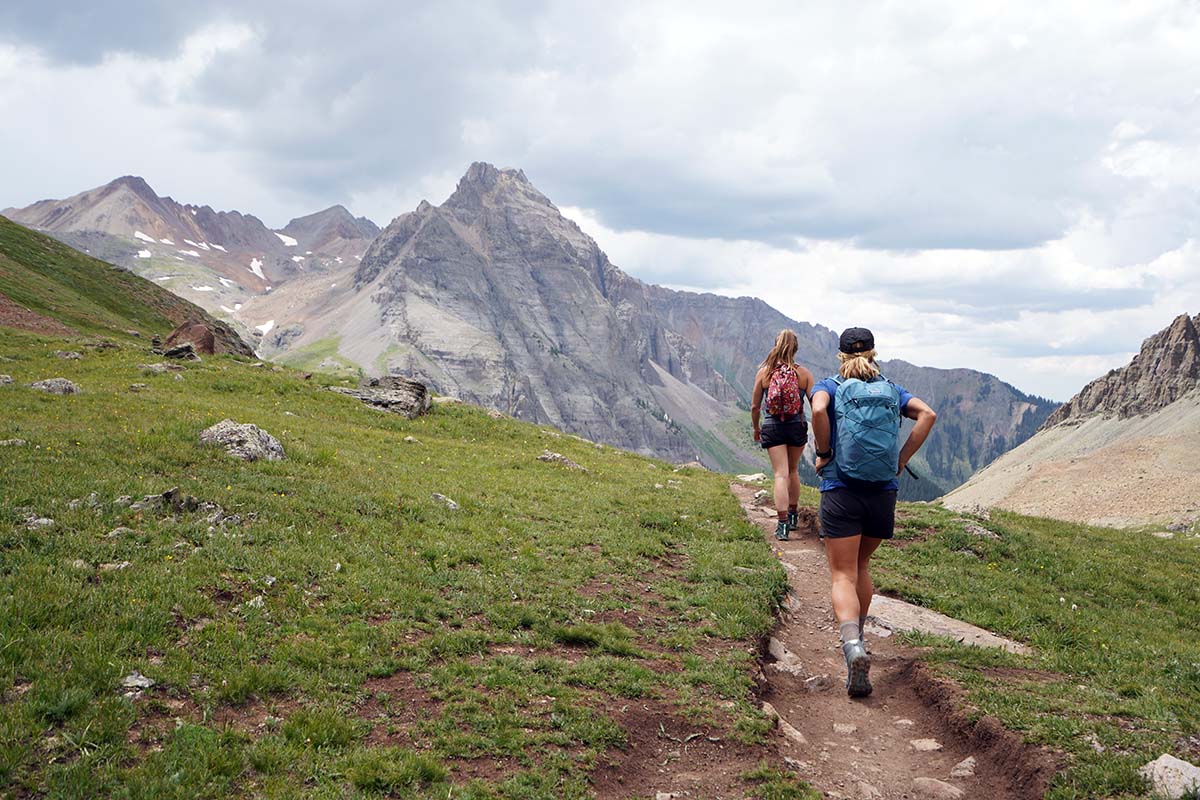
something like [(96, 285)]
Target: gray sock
[(849, 630), (862, 626)]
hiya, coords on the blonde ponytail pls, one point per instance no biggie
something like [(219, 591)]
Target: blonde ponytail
[(858, 365)]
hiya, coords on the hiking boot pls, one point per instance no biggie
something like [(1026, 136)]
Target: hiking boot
[(858, 668), (793, 520), (781, 530)]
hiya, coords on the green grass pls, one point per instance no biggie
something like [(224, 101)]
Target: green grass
[(517, 626), (82, 292), (1114, 620), (320, 355)]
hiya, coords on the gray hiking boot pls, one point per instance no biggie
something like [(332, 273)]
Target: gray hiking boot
[(858, 668), (781, 530)]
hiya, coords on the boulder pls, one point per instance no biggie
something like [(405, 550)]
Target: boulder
[(393, 393), (197, 334), (244, 441), (5, 380), (1172, 778), (68, 355), (56, 386), (12, 442), (559, 458), (184, 352), (159, 368)]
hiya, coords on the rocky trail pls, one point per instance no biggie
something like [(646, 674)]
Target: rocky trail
[(912, 737)]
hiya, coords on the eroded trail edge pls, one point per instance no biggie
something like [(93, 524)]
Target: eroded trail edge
[(912, 738)]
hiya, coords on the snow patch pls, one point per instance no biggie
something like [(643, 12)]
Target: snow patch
[(192, 253), (297, 259), (333, 286), (256, 268), (289, 241), (227, 309), (167, 241), (265, 327), (144, 237), (203, 289), (237, 306), (226, 282), (164, 278), (201, 245), (193, 211), (143, 254), (308, 252), (218, 247)]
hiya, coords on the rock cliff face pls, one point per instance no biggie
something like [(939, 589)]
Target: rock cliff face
[(497, 298), (1121, 452), (1167, 368)]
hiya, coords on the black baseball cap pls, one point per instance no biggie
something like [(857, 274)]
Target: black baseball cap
[(856, 340)]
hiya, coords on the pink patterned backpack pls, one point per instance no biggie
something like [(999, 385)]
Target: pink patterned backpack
[(784, 397)]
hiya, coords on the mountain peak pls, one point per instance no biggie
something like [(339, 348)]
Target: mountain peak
[(1166, 368), (135, 183), (485, 184)]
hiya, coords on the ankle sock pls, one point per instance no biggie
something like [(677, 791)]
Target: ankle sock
[(849, 630), (862, 627), (782, 515), (792, 509)]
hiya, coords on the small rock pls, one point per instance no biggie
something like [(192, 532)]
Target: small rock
[(559, 458), (666, 795), (178, 377), (494, 414), (844, 729), (971, 529), (159, 368), (12, 443), (269, 580), (136, 680), (244, 441), (79, 563), (5, 380), (925, 745), (752, 478), (818, 683), (68, 355), (117, 533), (255, 602), (55, 386), (137, 387), (904, 723), (1094, 742), (446, 501), (123, 501), (134, 334), (964, 768), (1171, 777), (938, 790), (116, 566), (36, 523), (867, 792), (412, 440), (184, 352)]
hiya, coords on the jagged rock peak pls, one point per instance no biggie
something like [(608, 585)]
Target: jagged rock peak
[(1166, 368), (136, 183), (484, 184)]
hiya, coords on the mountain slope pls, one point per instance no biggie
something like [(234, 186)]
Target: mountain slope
[(42, 281), (1122, 452), (216, 259), (495, 297)]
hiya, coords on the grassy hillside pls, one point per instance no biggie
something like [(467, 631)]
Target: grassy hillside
[(1113, 618), (92, 297), (350, 634)]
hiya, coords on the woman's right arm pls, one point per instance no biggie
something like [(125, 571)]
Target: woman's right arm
[(755, 405)]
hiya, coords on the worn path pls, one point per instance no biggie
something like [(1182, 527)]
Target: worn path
[(910, 739)]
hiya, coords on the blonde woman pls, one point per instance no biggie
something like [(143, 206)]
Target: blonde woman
[(858, 481), (781, 386)]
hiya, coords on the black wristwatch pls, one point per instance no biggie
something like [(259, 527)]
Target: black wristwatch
[(826, 454)]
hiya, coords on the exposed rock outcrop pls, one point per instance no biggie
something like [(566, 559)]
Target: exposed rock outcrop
[(55, 386), (393, 393), (1167, 368)]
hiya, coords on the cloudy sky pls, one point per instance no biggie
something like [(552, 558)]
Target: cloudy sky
[(1013, 187)]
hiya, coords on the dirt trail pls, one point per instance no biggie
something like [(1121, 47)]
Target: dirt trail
[(909, 739)]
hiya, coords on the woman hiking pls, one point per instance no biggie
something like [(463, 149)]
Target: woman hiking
[(856, 428), (783, 434)]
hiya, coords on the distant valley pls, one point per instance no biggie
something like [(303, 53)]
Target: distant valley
[(496, 298)]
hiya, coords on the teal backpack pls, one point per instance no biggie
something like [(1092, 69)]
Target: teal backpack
[(868, 429)]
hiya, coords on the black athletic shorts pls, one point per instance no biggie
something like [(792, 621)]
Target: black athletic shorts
[(849, 512), (793, 432)]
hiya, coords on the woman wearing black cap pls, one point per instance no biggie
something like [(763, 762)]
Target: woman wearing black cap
[(858, 481)]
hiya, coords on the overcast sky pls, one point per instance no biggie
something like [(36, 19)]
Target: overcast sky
[(1013, 187)]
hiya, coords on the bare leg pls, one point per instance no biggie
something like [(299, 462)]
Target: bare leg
[(843, 567), (865, 589), (794, 455), (779, 465)]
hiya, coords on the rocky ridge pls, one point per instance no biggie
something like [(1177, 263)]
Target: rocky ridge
[(1166, 369)]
